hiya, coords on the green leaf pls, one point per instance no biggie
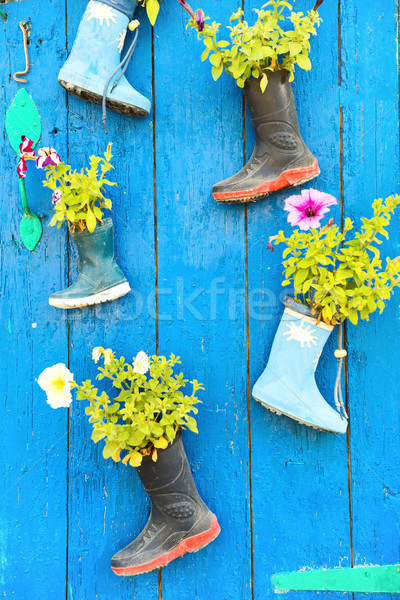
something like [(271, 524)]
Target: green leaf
[(30, 230), (215, 59), (110, 448), (205, 54), (295, 48), (263, 83), (22, 120), (300, 276), (136, 438), (217, 71), (90, 220), (304, 62), (97, 435)]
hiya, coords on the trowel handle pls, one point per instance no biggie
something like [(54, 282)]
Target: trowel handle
[(24, 198)]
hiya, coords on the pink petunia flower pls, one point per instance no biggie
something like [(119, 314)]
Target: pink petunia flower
[(25, 149), (307, 210), (56, 196), (46, 157)]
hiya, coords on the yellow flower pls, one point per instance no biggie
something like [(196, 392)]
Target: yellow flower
[(56, 382)]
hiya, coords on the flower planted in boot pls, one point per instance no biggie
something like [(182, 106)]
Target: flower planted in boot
[(100, 279), (179, 521), (334, 279), (287, 385), (91, 71), (78, 199), (262, 59), (280, 157), (144, 422)]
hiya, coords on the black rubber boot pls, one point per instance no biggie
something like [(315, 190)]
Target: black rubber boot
[(179, 520), (280, 157)]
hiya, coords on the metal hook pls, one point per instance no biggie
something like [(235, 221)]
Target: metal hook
[(24, 28)]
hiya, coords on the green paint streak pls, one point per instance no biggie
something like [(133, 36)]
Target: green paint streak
[(70, 591), (368, 580), (9, 326), (3, 15)]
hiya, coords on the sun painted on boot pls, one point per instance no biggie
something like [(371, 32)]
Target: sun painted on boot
[(121, 40), (301, 334), (316, 361), (101, 12)]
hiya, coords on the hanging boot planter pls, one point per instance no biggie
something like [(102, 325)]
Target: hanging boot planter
[(280, 157), (142, 429), (179, 520), (334, 279), (287, 386), (262, 60), (94, 70), (78, 199), (100, 279)]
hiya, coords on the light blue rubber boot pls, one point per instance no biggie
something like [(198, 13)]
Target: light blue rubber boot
[(100, 279), (287, 386), (96, 55)]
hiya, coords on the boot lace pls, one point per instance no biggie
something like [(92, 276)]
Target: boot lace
[(338, 384), (123, 66)]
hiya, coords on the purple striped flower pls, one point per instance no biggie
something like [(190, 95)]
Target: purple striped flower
[(199, 19), (46, 157)]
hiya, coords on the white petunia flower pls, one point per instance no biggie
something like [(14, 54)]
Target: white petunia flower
[(56, 382), (141, 364), (108, 356), (96, 353)]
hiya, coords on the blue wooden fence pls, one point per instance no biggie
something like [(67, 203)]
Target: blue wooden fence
[(204, 287)]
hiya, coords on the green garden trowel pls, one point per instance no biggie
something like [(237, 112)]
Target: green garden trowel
[(362, 579), (23, 120)]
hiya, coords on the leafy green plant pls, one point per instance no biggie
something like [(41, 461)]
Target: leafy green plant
[(341, 278), (256, 50), (78, 195), (147, 412)]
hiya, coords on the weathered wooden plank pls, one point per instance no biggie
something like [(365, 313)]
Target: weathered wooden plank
[(201, 293), (33, 437), (300, 500), (369, 95), (107, 505)]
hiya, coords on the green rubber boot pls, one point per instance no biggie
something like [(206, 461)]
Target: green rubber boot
[(100, 279)]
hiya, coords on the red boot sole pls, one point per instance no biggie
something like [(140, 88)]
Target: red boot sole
[(286, 179), (192, 544)]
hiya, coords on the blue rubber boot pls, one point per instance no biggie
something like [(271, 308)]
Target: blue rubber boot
[(287, 386), (100, 279), (96, 55)]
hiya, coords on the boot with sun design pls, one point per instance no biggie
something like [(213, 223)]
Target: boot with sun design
[(96, 56), (287, 386)]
